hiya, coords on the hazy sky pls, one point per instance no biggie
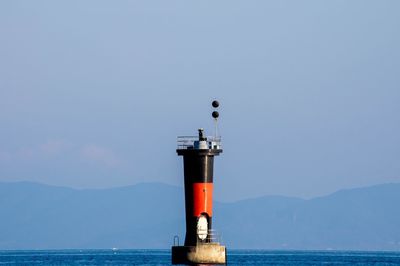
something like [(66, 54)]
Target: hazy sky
[(94, 93)]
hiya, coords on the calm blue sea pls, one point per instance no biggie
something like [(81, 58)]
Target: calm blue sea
[(162, 257)]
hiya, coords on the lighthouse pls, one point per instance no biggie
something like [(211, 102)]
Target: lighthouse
[(198, 154)]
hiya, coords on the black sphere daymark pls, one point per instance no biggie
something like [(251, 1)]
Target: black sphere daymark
[(215, 104), (215, 114)]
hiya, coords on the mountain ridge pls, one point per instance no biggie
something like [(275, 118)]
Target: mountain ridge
[(148, 215)]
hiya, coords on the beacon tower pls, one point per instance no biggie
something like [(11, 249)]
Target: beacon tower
[(198, 154)]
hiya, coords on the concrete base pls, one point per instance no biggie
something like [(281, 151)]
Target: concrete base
[(210, 253)]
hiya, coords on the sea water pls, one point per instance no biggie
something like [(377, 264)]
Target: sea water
[(163, 257)]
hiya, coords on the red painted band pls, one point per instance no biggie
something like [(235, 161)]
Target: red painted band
[(202, 198)]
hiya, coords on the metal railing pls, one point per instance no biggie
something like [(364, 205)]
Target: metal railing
[(176, 240), (214, 236), (187, 142)]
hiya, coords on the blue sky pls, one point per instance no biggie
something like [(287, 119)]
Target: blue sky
[(94, 93)]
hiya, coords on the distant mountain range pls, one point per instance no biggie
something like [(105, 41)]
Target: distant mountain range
[(36, 216)]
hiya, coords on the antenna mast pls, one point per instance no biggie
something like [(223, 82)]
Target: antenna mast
[(215, 115)]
